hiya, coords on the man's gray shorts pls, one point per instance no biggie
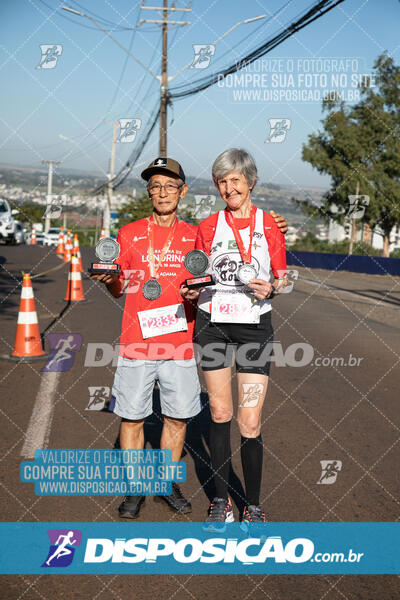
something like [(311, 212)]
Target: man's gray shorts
[(134, 383)]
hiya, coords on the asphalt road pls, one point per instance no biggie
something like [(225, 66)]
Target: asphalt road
[(313, 412)]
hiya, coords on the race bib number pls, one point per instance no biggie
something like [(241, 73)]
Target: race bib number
[(234, 308), (162, 320)]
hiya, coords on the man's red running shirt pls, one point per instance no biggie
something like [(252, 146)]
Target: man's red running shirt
[(133, 240)]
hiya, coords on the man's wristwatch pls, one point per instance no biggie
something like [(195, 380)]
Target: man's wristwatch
[(273, 293)]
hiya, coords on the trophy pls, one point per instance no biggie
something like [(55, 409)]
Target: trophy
[(107, 250), (196, 262)]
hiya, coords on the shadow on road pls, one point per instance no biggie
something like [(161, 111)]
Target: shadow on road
[(8, 286), (197, 445)]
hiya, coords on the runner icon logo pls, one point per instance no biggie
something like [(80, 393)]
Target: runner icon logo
[(292, 276), (330, 470), (357, 206), (202, 55), (50, 55), (54, 204), (63, 346), (203, 204), (98, 396), (62, 547), (134, 279), (128, 129), (278, 130), (252, 394)]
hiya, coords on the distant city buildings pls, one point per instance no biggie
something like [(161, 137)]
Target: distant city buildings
[(374, 237), (93, 203), (265, 198)]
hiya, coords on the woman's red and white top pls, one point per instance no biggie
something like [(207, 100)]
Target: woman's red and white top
[(216, 238)]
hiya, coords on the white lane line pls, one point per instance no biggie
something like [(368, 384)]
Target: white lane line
[(38, 432)]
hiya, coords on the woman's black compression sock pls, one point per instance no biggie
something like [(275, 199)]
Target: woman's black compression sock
[(220, 451), (251, 452)]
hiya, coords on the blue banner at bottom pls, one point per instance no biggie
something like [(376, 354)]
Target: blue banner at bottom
[(154, 548)]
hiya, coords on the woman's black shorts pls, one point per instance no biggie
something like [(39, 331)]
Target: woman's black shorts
[(252, 344)]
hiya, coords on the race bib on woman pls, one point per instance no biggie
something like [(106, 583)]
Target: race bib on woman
[(234, 308)]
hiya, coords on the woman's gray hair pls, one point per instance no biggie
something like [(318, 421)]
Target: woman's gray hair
[(235, 159)]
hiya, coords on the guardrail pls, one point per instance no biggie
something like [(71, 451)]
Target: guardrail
[(374, 265)]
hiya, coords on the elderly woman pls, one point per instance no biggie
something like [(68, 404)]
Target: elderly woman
[(243, 243)]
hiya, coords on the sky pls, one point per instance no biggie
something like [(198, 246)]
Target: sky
[(93, 81)]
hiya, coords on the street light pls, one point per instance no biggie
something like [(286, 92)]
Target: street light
[(245, 22)]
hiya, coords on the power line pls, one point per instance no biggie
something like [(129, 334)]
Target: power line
[(314, 13), (254, 32), (60, 14), (141, 82), (117, 88), (317, 10), (161, 111), (133, 158), (127, 111), (99, 17), (147, 93)]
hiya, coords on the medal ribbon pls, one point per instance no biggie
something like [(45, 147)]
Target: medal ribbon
[(150, 251), (245, 254)]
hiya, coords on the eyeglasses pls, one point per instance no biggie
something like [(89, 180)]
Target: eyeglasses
[(171, 188)]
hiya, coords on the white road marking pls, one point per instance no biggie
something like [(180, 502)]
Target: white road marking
[(38, 432)]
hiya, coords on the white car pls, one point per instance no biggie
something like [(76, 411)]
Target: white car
[(7, 223), (51, 237)]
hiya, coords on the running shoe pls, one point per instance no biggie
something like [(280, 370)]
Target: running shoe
[(219, 513), (176, 501), (253, 520), (130, 507)]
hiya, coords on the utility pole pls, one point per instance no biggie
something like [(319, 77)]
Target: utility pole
[(163, 79), (164, 94), (353, 226), (110, 187), (96, 233), (49, 191), (164, 83)]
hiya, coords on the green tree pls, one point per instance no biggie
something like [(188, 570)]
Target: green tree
[(359, 148), (137, 208), (29, 213), (141, 207)]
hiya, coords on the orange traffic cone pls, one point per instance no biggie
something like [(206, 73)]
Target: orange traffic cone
[(77, 252), (68, 248), (28, 344), (102, 234), (60, 245), (33, 237), (74, 291)]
